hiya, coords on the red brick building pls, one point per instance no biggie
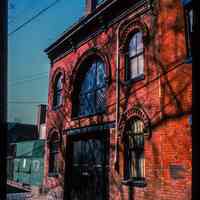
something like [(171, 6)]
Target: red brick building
[(119, 104)]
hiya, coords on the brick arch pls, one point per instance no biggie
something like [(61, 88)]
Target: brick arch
[(53, 82), (79, 70), (135, 112), (52, 133), (86, 56), (128, 29), (54, 76)]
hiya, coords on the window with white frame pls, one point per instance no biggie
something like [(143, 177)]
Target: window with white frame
[(135, 56)]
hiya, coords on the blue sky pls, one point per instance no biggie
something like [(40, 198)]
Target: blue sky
[(28, 65)]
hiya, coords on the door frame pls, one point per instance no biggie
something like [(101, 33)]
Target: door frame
[(103, 134)]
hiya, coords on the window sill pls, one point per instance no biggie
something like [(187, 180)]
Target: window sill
[(188, 60), (133, 80), (135, 182), (53, 174)]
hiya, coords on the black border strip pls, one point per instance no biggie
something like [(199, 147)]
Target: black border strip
[(3, 97)]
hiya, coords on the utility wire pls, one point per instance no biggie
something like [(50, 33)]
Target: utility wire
[(29, 76), (34, 17), (27, 80), (13, 18), (27, 102)]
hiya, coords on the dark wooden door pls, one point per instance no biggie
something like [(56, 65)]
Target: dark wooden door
[(88, 169)]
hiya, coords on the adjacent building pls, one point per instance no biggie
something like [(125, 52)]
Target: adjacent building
[(119, 103), (25, 153)]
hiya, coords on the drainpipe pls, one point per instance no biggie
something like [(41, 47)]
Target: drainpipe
[(117, 100)]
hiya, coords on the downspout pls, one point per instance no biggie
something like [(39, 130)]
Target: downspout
[(116, 163)]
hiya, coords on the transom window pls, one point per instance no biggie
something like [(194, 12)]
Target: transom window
[(57, 98), (53, 155), (135, 56), (134, 153), (91, 98)]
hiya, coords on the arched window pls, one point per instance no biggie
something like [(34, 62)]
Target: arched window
[(135, 57), (53, 155), (57, 98), (91, 96), (134, 153)]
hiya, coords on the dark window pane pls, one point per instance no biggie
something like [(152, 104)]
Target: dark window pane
[(89, 80), (189, 27), (101, 75), (53, 160), (135, 149), (57, 99), (87, 105), (59, 83), (100, 100), (92, 93)]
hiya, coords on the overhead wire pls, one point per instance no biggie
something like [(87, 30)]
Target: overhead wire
[(34, 17), (27, 102), (13, 19), (17, 82), (29, 76), (38, 75)]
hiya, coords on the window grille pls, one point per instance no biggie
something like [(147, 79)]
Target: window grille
[(91, 98)]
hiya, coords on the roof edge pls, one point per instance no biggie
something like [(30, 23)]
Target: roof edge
[(79, 24)]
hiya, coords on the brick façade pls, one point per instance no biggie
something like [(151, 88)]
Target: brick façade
[(165, 94)]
